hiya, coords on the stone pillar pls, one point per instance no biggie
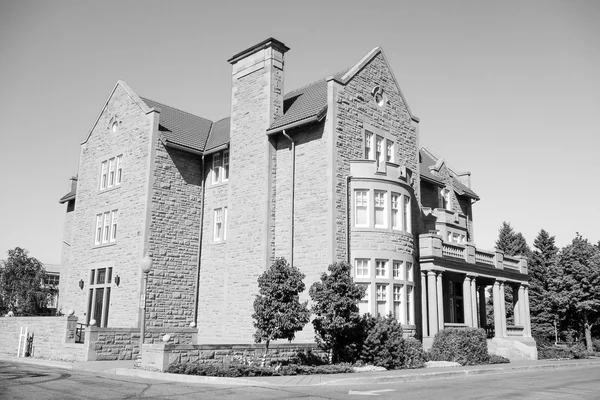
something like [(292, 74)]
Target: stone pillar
[(474, 301), (440, 301), (517, 303), (467, 302), (424, 303), (502, 309), (482, 308), (522, 317), (527, 318), (432, 303), (497, 310)]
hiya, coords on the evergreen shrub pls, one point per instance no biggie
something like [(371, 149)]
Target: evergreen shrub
[(466, 346)]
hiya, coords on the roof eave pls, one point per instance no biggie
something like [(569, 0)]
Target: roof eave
[(315, 118), (64, 199), (182, 147)]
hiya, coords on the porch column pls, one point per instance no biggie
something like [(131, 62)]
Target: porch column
[(482, 308), (522, 317), (467, 303), (424, 303), (527, 318), (517, 304), (497, 310), (432, 303), (474, 301), (440, 301), (503, 309)]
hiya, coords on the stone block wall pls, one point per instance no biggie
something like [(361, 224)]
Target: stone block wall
[(174, 237), (53, 337), (132, 141)]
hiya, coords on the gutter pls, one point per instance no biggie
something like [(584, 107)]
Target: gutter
[(293, 195), (315, 118)]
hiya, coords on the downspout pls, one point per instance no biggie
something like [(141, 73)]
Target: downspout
[(293, 195), (197, 291), (348, 202)]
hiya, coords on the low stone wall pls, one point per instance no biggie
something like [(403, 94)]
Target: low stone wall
[(51, 337), (123, 343), (160, 356)]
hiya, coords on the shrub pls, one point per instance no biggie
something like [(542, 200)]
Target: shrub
[(413, 355), (467, 346), (577, 351), (308, 357), (239, 370), (494, 359)]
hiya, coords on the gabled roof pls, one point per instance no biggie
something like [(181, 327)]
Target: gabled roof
[(427, 160), (307, 102), (181, 128), (219, 134), (68, 196)]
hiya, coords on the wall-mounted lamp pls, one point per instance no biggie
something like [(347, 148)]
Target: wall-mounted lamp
[(117, 280), (81, 283)]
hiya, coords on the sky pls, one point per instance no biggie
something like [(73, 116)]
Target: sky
[(509, 90)]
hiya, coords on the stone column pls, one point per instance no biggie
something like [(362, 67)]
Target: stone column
[(527, 318), (522, 317), (474, 301), (502, 309), (432, 303), (440, 301), (517, 303), (497, 310), (467, 303), (482, 308), (424, 303)]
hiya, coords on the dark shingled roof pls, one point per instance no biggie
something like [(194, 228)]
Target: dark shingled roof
[(182, 128), (219, 134), (427, 161), (305, 102), (68, 196)]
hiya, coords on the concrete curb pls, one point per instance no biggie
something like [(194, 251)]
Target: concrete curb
[(350, 380), (38, 361)]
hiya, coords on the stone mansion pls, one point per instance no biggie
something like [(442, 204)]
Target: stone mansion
[(332, 171)]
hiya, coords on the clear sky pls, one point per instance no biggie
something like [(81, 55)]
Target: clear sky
[(509, 90)]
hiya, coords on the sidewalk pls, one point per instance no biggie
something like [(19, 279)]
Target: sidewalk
[(125, 368)]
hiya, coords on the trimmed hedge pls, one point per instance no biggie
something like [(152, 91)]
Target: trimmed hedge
[(240, 370), (467, 346), (494, 359)]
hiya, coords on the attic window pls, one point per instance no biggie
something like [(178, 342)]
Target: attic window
[(114, 127), (379, 96)]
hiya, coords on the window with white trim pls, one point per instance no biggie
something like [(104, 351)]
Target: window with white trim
[(218, 231), (409, 305), (99, 296), (381, 300), (445, 200), (398, 269), (381, 268), (395, 211), (389, 150), (106, 227), (225, 165), (380, 213), (362, 267), (397, 295), (409, 271), (111, 172), (361, 201), (378, 151), (368, 145), (216, 167), (363, 304), (220, 167), (406, 220)]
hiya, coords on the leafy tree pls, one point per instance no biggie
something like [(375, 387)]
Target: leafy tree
[(541, 268), (278, 313), (575, 289), (22, 289), (512, 244), (337, 320)]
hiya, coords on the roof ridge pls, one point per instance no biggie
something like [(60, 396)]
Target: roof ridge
[(317, 81), (175, 108)]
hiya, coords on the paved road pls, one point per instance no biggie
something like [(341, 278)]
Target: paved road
[(22, 381)]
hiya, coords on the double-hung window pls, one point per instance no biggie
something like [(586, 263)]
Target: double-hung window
[(406, 221), (111, 172), (397, 302), (216, 167), (106, 227), (397, 270), (381, 300), (363, 304), (361, 199), (389, 151), (380, 214), (225, 165), (362, 267), (381, 268), (220, 227), (368, 145), (395, 211), (220, 167), (378, 151)]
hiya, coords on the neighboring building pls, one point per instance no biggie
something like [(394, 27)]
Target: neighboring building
[(52, 280), (328, 172)]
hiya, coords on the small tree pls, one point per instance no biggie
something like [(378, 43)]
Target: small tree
[(278, 313), (337, 320), (22, 289)]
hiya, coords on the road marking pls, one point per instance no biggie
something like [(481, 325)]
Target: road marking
[(370, 392)]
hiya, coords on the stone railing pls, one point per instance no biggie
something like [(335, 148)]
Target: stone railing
[(432, 245), (515, 330)]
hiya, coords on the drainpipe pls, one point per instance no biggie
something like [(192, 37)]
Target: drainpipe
[(348, 203), (293, 193), (197, 291)]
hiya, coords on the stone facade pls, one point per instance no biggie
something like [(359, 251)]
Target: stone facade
[(282, 181)]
